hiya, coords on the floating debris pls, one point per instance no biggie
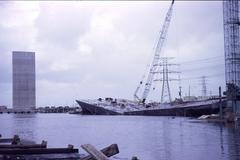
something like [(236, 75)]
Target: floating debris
[(17, 149)]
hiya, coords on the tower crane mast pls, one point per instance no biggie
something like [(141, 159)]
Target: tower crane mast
[(158, 50)]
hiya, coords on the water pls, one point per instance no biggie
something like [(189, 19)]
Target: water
[(148, 138)]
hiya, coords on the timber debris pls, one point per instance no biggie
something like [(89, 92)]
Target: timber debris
[(19, 149)]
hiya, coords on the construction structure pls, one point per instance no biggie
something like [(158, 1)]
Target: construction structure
[(204, 86), (24, 92), (156, 58), (165, 71), (232, 53)]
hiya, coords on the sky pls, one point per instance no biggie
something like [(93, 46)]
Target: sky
[(88, 49)]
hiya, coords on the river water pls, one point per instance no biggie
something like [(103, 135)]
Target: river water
[(148, 138)]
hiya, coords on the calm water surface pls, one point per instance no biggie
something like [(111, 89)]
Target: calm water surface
[(149, 138)]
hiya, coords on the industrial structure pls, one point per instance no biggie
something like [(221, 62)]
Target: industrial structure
[(204, 86), (165, 71), (156, 58), (24, 92), (232, 53)]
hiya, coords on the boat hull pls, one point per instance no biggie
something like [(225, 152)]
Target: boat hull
[(90, 109), (186, 111)]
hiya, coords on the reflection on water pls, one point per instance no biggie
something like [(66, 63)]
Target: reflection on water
[(149, 138), (24, 125), (167, 141), (234, 145)]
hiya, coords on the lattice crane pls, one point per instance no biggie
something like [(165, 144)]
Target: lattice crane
[(156, 57)]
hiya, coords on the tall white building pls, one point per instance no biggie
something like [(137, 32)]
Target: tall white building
[(24, 90)]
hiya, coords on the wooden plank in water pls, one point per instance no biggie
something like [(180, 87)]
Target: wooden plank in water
[(94, 152), (22, 146), (108, 151), (14, 140), (38, 151), (64, 156), (6, 140)]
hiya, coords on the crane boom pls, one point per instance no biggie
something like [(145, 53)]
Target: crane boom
[(157, 53)]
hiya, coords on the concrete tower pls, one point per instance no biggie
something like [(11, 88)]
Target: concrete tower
[(24, 92)]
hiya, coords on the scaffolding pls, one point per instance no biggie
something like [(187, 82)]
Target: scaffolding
[(232, 51), (231, 41)]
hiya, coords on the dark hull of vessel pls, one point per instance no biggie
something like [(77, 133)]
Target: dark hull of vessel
[(189, 111), (90, 109)]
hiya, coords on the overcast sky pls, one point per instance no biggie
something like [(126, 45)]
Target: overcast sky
[(87, 50)]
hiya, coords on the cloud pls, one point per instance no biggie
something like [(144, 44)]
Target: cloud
[(61, 25)]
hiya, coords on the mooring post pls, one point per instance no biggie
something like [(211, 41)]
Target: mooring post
[(44, 143), (135, 158), (16, 139), (220, 102), (70, 146)]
